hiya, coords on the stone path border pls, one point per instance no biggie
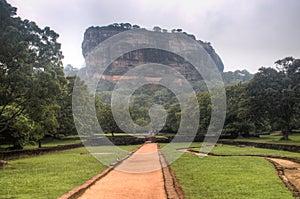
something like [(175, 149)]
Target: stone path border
[(172, 186)]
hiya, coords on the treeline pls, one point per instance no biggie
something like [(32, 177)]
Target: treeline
[(269, 101)]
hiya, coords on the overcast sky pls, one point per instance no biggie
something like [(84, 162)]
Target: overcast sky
[(247, 34)]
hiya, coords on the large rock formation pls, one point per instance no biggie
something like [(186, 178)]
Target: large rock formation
[(95, 35)]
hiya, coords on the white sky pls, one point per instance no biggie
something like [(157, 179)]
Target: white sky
[(247, 34)]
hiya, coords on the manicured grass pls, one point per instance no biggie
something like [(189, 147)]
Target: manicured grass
[(50, 142), (273, 138), (49, 176), (228, 177), (57, 142), (235, 150)]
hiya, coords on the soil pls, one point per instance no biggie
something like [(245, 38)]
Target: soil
[(139, 176), (291, 171)]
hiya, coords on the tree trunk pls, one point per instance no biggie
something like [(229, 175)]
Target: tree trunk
[(17, 146), (40, 144), (286, 134), (112, 133)]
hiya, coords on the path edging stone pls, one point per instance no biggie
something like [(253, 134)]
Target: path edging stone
[(171, 184)]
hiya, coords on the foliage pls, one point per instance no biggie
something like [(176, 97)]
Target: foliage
[(105, 117), (235, 77), (69, 70), (269, 101), (20, 130), (32, 82), (273, 94), (65, 117)]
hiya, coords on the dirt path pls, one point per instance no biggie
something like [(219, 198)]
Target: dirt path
[(139, 176), (290, 170)]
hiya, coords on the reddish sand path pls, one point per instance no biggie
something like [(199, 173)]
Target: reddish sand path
[(139, 176), (291, 171)]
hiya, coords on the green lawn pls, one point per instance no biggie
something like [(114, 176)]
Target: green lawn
[(52, 175), (235, 150), (273, 138), (50, 142), (228, 177), (49, 176), (57, 142)]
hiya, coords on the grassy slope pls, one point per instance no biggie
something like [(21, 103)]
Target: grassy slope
[(50, 143), (49, 176), (227, 149), (234, 150), (274, 138), (228, 177)]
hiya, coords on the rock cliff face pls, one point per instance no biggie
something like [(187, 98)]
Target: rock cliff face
[(95, 35)]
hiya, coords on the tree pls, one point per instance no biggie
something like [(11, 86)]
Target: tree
[(235, 77), (65, 117), (156, 29), (105, 117), (83, 104), (69, 70), (136, 27), (126, 26), (275, 94), (31, 73), (173, 119), (205, 110), (20, 130)]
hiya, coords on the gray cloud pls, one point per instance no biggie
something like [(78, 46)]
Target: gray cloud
[(246, 34)]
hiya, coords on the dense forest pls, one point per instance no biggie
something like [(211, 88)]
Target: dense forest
[(36, 96)]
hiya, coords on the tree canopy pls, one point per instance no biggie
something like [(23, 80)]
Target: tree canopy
[(32, 81)]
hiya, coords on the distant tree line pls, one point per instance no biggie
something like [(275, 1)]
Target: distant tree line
[(269, 101)]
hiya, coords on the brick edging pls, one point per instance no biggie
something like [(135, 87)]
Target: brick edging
[(172, 187), (78, 191)]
